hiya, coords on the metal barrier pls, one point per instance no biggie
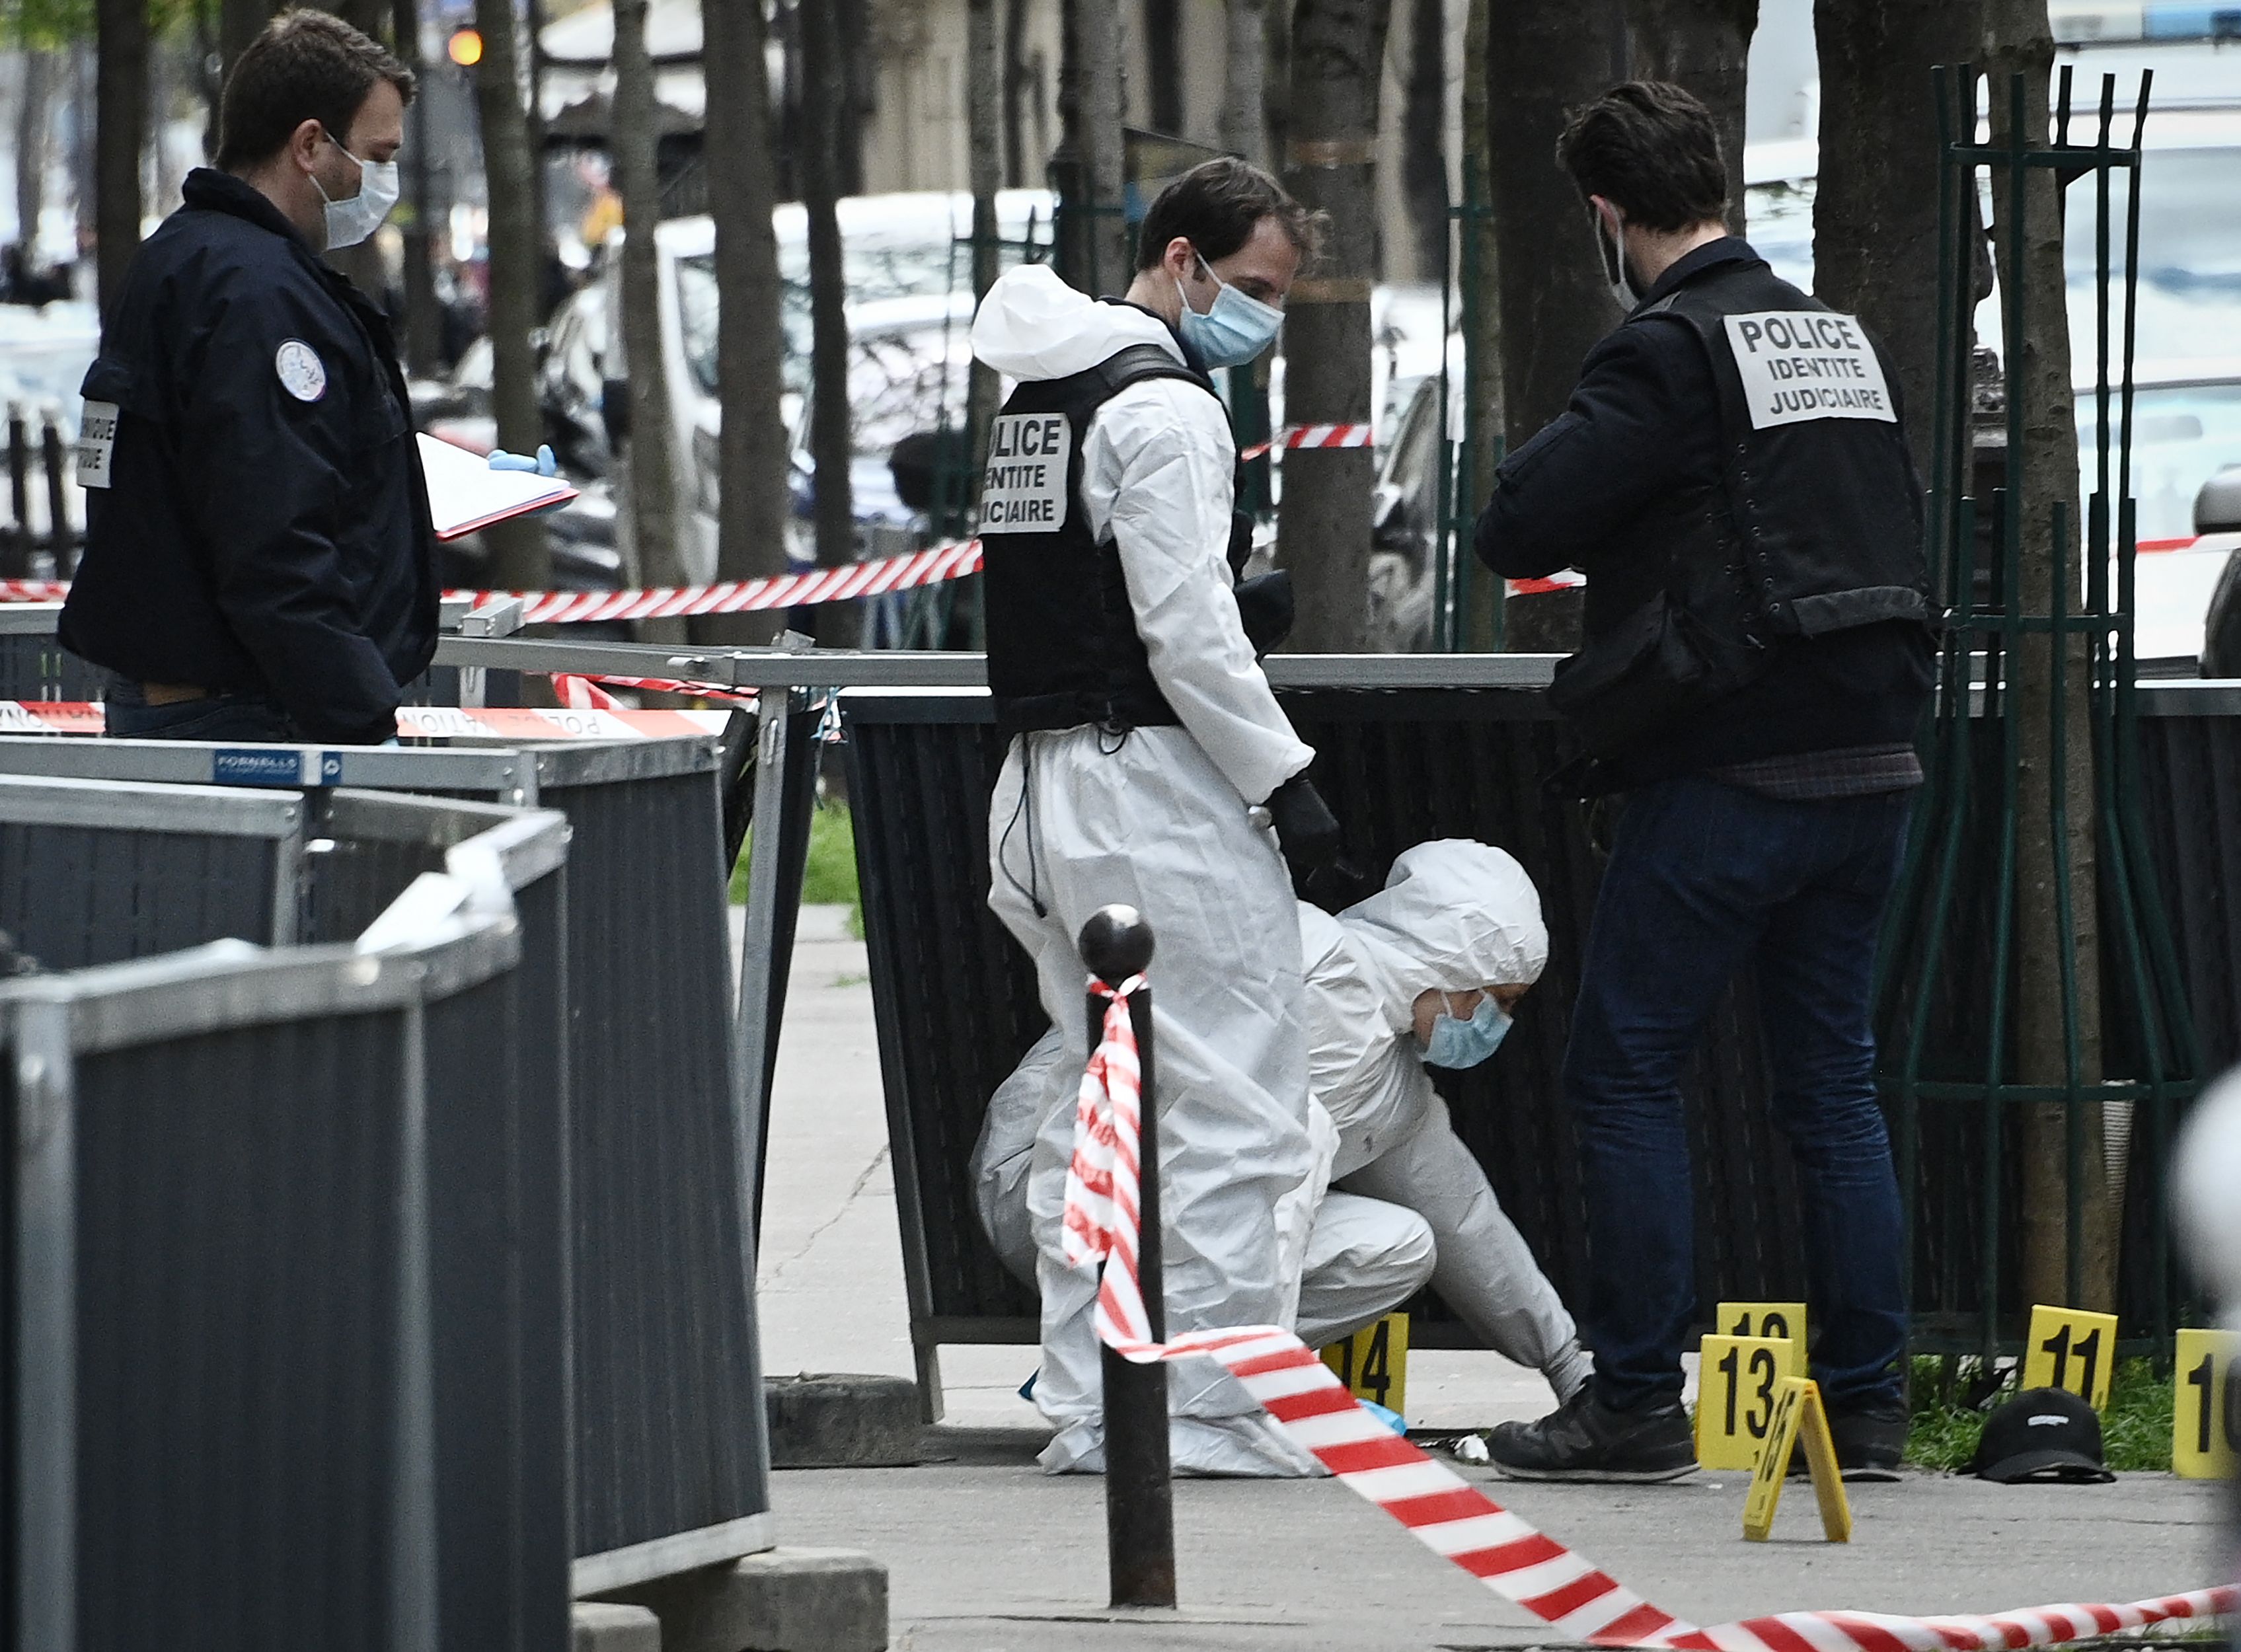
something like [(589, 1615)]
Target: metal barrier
[(288, 1257), (671, 1454)]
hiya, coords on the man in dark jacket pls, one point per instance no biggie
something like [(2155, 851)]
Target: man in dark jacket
[(259, 559), (1732, 479)]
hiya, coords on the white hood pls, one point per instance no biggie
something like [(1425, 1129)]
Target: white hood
[(1453, 914), (1031, 325)]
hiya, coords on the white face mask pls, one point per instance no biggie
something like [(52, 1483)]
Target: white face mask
[(1612, 243), (351, 221)]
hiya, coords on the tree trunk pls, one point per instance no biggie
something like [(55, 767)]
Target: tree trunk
[(1245, 81), (1094, 238), (1019, 88), (1875, 212), (423, 320), (121, 136), (520, 559), (1338, 59), (1704, 45), (240, 22), (33, 117), (831, 434), (1163, 64), (752, 499), (1424, 127), (983, 72), (1543, 61), (2043, 416), (1478, 285), (650, 457), (1276, 78)]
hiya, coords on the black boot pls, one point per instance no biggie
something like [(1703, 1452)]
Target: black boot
[(1583, 1439), (1869, 1435)]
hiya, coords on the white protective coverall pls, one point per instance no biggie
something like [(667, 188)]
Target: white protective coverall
[(1159, 819), (1453, 915), (1363, 1259)]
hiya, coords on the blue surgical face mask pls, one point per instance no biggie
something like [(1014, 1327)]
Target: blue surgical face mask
[(1458, 1043), (1238, 327)]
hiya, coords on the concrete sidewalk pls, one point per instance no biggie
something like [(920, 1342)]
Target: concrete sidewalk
[(986, 1552)]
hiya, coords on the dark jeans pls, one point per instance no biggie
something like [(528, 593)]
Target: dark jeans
[(251, 717), (1704, 878)]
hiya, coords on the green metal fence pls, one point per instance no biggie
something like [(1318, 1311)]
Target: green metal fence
[(1966, 1022)]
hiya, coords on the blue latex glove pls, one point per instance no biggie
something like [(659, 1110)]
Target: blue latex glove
[(543, 464)]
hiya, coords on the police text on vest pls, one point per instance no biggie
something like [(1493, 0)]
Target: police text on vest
[(1798, 364), (1024, 489)]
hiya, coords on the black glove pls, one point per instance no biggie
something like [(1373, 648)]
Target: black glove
[(1264, 604), (1306, 829), (1240, 542)]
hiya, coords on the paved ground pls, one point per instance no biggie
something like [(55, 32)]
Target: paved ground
[(984, 1552)]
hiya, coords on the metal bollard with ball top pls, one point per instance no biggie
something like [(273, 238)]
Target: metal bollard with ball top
[(1140, 1516)]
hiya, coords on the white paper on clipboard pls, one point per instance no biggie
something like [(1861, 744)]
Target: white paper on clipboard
[(464, 493)]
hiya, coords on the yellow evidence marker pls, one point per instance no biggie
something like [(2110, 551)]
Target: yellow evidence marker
[(1780, 1319), (1374, 1364), (2207, 1422), (2072, 1348), (1737, 1378), (1798, 1420)]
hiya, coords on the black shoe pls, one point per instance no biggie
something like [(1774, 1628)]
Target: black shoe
[(1870, 1436), (1583, 1439)]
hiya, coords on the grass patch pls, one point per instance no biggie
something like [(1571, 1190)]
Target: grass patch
[(828, 877), (1950, 1412)]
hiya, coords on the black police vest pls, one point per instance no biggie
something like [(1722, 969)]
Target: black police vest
[(1062, 645), (1818, 526)]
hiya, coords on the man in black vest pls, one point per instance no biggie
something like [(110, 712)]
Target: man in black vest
[(1148, 764), (1732, 479), (259, 561)]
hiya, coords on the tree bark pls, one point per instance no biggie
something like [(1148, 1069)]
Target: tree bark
[(1245, 81), (651, 459), (1019, 87), (1424, 127), (1703, 45), (1554, 302), (2018, 41), (1163, 65), (984, 89), (422, 318), (33, 117), (1338, 58), (1093, 239), (1875, 212), (1478, 285), (832, 432), (520, 559), (752, 499), (240, 22), (120, 136)]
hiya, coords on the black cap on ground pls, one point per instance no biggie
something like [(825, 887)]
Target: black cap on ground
[(2042, 1434)]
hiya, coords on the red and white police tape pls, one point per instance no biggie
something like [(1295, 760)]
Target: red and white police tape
[(1311, 436), (1445, 1512), (613, 722)]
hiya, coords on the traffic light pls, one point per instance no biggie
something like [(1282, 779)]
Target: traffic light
[(465, 47)]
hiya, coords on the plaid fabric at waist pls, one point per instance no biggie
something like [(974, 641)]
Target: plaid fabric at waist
[(1813, 777)]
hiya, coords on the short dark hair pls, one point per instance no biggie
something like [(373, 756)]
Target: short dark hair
[(306, 65), (1217, 205), (1651, 148)]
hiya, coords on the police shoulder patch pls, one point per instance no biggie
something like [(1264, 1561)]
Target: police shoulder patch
[(303, 374)]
